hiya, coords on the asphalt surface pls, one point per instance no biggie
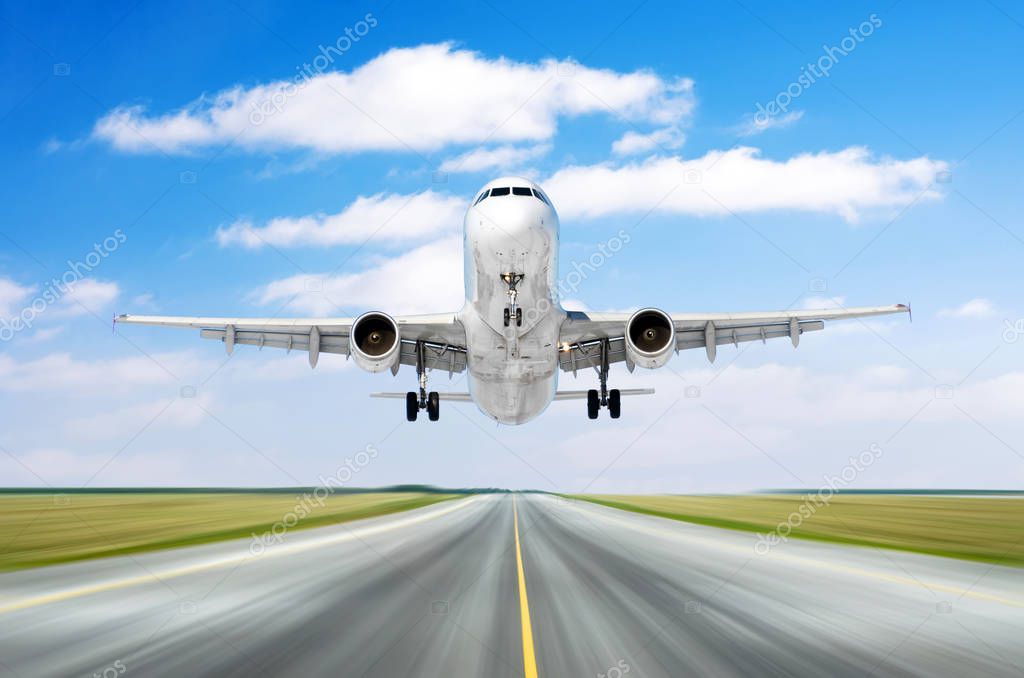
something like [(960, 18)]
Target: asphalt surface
[(434, 592)]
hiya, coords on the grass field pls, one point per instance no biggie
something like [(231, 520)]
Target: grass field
[(989, 529), (45, 529)]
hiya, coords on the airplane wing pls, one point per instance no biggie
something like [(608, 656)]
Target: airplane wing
[(442, 335), (583, 334)]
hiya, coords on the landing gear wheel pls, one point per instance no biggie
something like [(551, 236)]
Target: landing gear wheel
[(519, 317), (593, 404), (412, 406), (433, 406), (614, 403), (507, 316)]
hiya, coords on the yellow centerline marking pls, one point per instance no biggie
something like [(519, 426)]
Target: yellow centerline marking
[(7, 606), (529, 659)]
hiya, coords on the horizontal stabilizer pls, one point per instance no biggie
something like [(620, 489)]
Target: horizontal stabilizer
[(456, 397), (582, 395)]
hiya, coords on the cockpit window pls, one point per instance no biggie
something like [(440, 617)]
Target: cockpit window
[(515, 190)]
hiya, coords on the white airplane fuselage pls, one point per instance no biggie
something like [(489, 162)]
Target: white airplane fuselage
[(512, 369)]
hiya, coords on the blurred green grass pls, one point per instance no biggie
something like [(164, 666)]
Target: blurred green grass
[(987, 529), (44, 529)]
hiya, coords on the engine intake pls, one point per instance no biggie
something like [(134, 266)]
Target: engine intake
[(650, 338), (375, 341)]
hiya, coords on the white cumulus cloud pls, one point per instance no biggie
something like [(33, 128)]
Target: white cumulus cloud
[(62, 373), (55, 301), (383, 218), (501, 158), (424, 280), (420, 98), (12, 297), (88, 295), (635, 143), (756, 125), (846, 183), (975, 308)]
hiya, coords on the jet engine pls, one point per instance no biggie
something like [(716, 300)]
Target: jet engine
[(650, 338), (375, 342)]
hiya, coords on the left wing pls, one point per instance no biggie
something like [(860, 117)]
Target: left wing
[(441, 335), (583, 334)]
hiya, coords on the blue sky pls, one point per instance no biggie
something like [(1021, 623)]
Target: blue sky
[(895, 178)]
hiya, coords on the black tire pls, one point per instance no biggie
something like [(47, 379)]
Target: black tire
[(519, 317), (593, 404), (506, 316), (614, 403), (433, 406), (412, 406)]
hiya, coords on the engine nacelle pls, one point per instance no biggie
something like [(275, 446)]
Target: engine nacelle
[(650, 338), (375, 342)]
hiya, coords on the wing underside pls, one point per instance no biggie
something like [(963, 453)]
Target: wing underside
[(585, 335), (441, 336)]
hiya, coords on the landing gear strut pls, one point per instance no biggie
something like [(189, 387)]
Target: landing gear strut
[(604, 398), (512, 310), (414, 402)]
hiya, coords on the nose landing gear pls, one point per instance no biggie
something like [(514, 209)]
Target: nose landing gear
[(512, 310)]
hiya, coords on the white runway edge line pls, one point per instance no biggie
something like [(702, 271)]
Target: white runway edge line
[(802, 561), (229, 561)]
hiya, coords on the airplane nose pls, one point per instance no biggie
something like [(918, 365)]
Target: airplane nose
[(512, 218)]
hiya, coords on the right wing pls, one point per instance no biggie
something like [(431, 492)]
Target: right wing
[(583, 333), (442, 335)]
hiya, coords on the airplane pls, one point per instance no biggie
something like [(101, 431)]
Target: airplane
[(512, 335)]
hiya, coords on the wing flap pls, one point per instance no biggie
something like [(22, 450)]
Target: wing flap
[(329, 343), (580, 356), (436, 356), (739, 334)]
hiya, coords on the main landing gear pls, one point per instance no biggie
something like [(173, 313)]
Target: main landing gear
[(512, 310), (414, 402), (596, 399)]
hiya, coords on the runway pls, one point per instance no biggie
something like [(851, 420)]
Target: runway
[(436, 592)]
